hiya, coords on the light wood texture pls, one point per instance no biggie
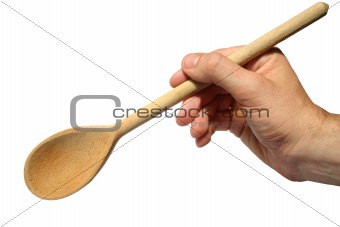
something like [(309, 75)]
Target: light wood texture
[(67, 161)]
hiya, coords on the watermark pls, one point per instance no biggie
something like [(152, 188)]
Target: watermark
[(192, 113), (73, 113), (118, 113)]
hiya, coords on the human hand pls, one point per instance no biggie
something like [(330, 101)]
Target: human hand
[(262, 103)]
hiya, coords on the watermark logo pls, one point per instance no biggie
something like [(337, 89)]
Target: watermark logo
[(118, 113), (73, 113)]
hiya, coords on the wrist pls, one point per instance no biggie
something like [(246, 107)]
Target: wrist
[(319, 156)]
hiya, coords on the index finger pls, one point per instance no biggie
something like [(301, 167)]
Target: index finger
[(179, 77)]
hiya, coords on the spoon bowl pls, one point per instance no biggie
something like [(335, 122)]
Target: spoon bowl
[(67, 161)]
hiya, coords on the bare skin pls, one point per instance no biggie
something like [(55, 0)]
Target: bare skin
[(288, 132)]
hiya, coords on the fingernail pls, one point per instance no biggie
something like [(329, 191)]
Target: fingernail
[(191, 60)]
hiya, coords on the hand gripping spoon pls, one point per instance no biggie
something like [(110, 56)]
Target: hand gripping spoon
[(67, 161)]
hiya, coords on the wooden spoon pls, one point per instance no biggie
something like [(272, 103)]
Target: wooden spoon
[(67, 161)]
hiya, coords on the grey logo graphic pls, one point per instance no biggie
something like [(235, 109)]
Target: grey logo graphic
[(73, 113)]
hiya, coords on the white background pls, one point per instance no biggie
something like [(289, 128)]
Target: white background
[(160, 178)]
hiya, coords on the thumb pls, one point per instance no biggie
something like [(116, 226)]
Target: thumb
[(215, 68)]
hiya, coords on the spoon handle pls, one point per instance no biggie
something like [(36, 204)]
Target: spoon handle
[(240, 57)]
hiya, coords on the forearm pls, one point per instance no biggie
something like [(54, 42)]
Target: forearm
[(320, 161)]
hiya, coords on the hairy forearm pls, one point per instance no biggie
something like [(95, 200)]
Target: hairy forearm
[(321, 157)]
